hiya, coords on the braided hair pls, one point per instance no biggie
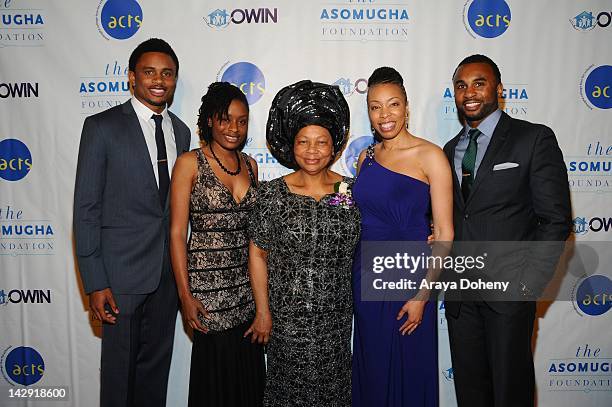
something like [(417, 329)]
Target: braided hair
[(215, 105)]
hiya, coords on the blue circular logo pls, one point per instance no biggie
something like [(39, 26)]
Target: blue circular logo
[(351, 153), (248, 78), (598, 87), (489, 18), (121, 18), (594, 295), (15, 160), (24, 365)]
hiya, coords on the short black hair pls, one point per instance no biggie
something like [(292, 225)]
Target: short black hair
[(215, 104), (152, 45), (480, 59), (386, 74)]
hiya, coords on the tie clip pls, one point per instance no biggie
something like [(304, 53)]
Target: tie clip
[(165, 160)]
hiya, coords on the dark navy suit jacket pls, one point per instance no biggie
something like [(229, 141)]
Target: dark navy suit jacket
[(120, 229), (527, 203)]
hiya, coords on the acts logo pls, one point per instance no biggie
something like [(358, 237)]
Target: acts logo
[(352, 151), (221, 18), (593, 295), (15, 160), (486, 18), (22, 365), (119, 19), (596, 87), (247, 77), (586, 20), (21, 26)]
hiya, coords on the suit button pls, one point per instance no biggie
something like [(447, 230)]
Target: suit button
[(465, 216)]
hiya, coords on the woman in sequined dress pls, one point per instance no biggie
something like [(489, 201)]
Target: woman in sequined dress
[(213, 189), (303, 237)]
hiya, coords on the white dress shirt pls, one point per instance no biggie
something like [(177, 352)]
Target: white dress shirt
[(148, 129)]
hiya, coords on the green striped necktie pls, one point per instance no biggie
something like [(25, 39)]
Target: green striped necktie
[(469, 163)]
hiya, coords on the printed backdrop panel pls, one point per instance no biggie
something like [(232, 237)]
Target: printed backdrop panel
[(61, 61)]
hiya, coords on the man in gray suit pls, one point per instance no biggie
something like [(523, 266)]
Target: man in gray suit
[(121, 228)]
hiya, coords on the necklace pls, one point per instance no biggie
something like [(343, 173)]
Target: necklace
[(228, 172)]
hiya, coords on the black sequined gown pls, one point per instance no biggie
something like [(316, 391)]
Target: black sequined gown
[(227, 370), (310, 249)]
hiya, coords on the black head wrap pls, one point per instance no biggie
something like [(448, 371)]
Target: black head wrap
[(303, 104)]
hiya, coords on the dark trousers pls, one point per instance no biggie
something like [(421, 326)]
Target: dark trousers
[(491, 356), (137, 350)]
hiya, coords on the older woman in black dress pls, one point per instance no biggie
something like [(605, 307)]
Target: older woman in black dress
[(303, 232)]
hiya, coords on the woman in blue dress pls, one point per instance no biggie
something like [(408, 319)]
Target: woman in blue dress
[(404, 182)]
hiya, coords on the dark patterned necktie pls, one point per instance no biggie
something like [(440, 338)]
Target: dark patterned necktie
[(468, 163), (162, 160)]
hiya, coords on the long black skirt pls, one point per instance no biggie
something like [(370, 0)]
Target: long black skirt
[(226, 370)]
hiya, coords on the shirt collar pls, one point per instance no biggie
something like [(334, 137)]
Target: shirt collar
[(487, 126), (145, 113)]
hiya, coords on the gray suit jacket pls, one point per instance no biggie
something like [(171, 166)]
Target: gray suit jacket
[(120, 229)]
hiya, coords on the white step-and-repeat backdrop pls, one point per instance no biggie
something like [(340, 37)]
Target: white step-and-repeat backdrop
[(61, 61)]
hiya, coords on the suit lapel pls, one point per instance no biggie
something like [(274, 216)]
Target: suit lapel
[(137, 139), (182, 144), (497, 141), (178, 136)]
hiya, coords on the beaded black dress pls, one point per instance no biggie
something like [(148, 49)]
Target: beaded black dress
[(310, 249), (226, 368)]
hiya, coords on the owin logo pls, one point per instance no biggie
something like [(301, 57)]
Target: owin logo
[(348, 87), (22, 365), (583, 225), (593, 295), (248, 78), (586, 20), (596, 87), (120, 19), (486, 18), (15, 160), (20, 296), (351, 154), (19, 90), (221, 18)]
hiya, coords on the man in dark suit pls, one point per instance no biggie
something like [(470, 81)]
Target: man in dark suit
[(121, 216), (510, 185)]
